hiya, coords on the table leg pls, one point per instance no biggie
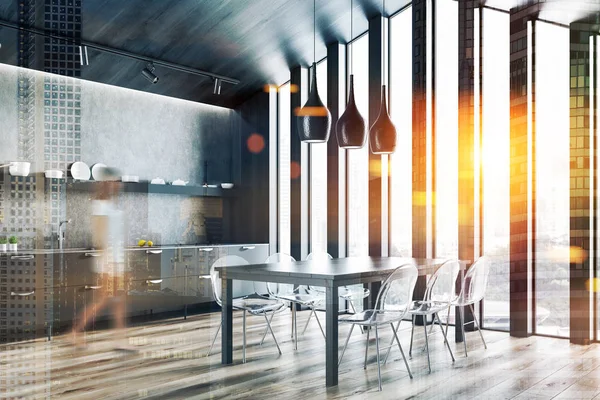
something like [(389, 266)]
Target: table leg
[(331, 346), (458, 321), (227, 321)]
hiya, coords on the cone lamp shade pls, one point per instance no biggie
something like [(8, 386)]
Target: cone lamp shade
[(314, 119), (351, 130), (382, 137)]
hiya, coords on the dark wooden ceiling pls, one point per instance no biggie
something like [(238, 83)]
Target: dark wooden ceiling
[(255, 41)]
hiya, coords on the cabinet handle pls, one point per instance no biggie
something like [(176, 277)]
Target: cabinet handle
[(90, 287), (248, 247), (154, 281), (93, 254), (24, 294), (206, 249), (23, 257), (204, 277), (153, 251)]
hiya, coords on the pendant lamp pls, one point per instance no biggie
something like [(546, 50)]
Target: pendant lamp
[(314, 119), (382, 137), (351, 130)]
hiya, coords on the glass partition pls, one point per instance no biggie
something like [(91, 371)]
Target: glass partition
[(358, 160), (496, 167), (284, 168), (552, 180), (401, 113)]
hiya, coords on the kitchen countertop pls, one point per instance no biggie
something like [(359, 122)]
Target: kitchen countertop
[(26, 252)]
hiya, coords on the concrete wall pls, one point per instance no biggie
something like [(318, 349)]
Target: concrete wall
[(60, 120)]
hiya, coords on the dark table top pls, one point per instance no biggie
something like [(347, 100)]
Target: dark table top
[(339, 271)]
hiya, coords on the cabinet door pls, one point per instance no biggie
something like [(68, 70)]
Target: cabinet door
[(76, 271), (20, 318)]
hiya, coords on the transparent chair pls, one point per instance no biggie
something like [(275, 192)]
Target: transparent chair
[(391, 306), (347, 293), (440, 293), (253, 304), (472, 291), (298, 295)]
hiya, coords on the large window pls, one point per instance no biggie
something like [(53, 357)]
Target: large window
[(552, 180), (446, 135), (401, 113), (284, 168), (318, 176), (358, 160), (496, 167)]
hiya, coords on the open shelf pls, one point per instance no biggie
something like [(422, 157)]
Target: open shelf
[(145, 187)]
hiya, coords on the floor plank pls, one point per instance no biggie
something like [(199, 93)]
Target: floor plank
[(170, 362)]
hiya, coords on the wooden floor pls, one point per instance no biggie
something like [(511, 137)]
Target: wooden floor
[(170, 363)]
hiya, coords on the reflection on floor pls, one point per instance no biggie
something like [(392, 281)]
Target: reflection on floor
[(170, 362)]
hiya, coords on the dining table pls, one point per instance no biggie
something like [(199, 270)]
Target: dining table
[(326, 273)]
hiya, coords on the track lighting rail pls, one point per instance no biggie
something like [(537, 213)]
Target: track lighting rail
[(119, 52)]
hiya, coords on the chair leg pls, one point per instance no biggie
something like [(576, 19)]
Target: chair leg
[(401, 351), (244, 335), (266, 330), (214, 340), (480, 333), (445, 338), (448, 320), (427, 346), (308, 320), (354, 312), (295, 327), (346, 344), (293, 317), (320, 326), (272, 333), (378, 362), (412, 333), (391, 342), (367, 348), (462, 327)]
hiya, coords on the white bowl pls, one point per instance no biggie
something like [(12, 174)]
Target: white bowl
[(226, 185), (19, 168), (157, 181), (53, 173)]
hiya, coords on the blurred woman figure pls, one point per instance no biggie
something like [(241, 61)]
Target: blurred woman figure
[(108, 236)]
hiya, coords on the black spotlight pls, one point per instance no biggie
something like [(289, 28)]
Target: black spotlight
[(148, 73), (217, 86)]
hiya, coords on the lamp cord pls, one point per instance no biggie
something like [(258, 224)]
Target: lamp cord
[(384, 35), (351, 35), (314, 31)]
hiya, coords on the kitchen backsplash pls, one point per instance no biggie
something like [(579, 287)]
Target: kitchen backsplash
[(52, 121)]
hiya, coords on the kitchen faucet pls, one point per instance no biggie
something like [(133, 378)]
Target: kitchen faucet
[(61, 233)]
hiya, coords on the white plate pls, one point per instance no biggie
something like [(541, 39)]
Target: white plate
[(226, 185), (99, 172), (80, 171)]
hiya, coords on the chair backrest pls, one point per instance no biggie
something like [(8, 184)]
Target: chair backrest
[(319, 255), (214, 274), (442, 285), (396, 292), (476, 280), (279, 288)]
